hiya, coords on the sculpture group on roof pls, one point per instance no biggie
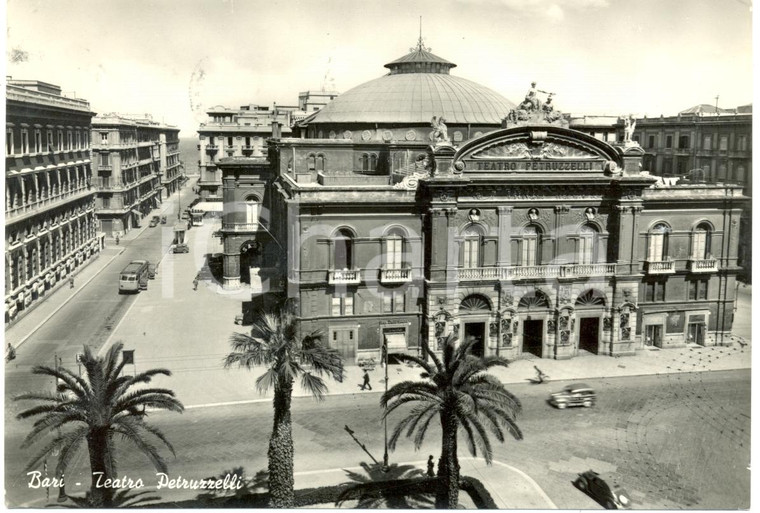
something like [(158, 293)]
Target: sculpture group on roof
[(533, 110)]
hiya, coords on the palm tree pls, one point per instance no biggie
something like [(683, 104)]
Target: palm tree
[(459, 391), (274, 343), (99, 406)]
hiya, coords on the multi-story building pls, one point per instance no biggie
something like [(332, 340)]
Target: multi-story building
[(136, 161), (234, 133), (50, 224), (501, 225), (704, 145)]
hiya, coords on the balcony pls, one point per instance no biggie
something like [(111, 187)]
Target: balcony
[(709, 265), (661, 267), (104, 167), (344, 277), (212, 148), (536, 271), (395, 275)]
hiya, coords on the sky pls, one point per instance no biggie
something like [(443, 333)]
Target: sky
[(174, 59)]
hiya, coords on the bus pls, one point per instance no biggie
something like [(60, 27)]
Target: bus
[(134, 277)]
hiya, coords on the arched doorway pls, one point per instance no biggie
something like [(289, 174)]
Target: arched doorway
[(533, 328), (589, 309), (475, 311)]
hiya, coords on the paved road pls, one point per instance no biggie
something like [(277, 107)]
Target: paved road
[(678, 441)]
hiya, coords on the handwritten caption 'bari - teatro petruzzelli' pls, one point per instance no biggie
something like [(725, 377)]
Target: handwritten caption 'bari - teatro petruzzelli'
[(228, 482)]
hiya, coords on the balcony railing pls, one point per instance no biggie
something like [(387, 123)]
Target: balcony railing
[(344, 277), (535, 271), (395, 275), (661, 267), (709, 265)]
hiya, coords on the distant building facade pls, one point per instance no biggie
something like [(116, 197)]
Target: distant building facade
[(50, 223), (499, 223), (704, 145), (137, 162), (234, 133)]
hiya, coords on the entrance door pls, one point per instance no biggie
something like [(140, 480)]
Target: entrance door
[(345, 342), (476, 330), (697, 333), (533, 332), (654, 335), (589, 335)]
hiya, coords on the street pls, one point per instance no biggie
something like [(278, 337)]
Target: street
[(663, 436)]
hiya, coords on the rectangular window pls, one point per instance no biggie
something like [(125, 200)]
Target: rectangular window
[(471, 247), (104, 159), (683, 142), (651, 141), (669, 141), (393, 253), (9, 141), (723, 143), (342, 305), (106, 202), (655, 291), (698, 289), (37, 141), (393, 301), (60, 140), (586, 250), (529, 251), (24, 141), (50, 141), (79, 139), (707, 142), (229, 141), (104, 137), (741, 143), (69, 140)]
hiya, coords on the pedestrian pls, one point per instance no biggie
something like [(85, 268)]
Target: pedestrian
[(365, 385), (71, 281), (117, 240), (540, 376), (10, 353), (195, 283), (431, 466)]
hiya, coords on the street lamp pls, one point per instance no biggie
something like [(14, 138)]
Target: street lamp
[(385, 467)]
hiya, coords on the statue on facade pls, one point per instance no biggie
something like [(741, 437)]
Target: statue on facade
[(440, 132), (533, 111), (630, 126)]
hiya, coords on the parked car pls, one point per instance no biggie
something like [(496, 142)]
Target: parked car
[(181, 248), (604, 490), (185, 215), (152, 271), (154, 221), (577, 394)]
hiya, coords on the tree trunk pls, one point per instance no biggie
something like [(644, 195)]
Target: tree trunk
[(447, 496), (281, 449), (101, 467)]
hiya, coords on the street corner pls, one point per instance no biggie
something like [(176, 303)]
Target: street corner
[(510, 487)]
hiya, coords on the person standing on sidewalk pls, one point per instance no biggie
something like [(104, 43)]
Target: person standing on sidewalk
[(195, 282), (71, 281), (365, 385), (431, 466)]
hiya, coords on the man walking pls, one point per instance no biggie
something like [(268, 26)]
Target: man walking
[(365, 385), (195, 283)]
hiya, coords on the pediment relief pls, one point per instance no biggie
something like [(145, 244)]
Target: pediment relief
[(524, 150)]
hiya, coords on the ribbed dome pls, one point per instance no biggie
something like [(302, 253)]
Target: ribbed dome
[(418, 87)]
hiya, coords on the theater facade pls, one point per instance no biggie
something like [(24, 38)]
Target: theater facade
[(529, 237)]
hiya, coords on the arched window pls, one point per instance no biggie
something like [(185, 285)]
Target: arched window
[(700, 242), (344, 258), (531, 245), (365, 162), (587, 243), (311, 162), (320, 162), (372, 162), (471, 248), (658, 243), (251, 210), (394, 250)]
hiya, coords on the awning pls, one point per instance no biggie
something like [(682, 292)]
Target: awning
[(396, 341), (209, 206)]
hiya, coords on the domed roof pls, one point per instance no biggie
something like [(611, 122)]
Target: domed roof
[(417, 88)]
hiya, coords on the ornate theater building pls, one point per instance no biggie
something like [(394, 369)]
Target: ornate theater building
[(496, 222)]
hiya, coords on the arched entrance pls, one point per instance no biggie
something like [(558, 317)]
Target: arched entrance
[(475, 312), (589, 309), (533, 328)]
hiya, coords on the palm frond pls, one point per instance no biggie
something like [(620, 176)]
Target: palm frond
[(68, 448), (129, 429), (247, 351), (314, 385), (266, 381), (50, 422)]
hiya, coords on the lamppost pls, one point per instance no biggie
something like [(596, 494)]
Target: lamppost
[(385, 467)]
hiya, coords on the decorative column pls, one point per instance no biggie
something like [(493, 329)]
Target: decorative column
[(505, 230)]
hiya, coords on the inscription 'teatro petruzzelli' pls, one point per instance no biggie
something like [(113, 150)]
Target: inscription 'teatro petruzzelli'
[(537, 166)]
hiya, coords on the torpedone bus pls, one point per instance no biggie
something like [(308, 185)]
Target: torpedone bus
[(134, 277)]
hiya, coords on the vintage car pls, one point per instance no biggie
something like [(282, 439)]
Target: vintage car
[(606, 491), (577, 394), (181, 248), (154, 221)]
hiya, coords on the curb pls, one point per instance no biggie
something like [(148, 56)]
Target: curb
[(65, 302)]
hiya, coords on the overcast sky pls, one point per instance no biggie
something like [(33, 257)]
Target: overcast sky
[(176, 58)]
